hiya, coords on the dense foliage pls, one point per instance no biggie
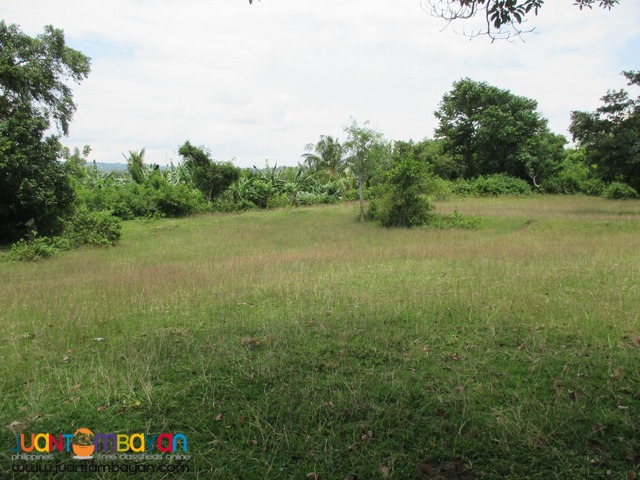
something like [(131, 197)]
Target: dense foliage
[(400, 202), (35, 194), (210, 177), (366, 149), (488, 130), (35, 191), (611, 135), (34, 73), (489, 142)]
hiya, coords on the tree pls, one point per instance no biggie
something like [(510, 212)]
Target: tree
[(503, 18), (325, 156), (366, 149), (542, 156), (488, 130), (35, 190), (399, 202), (611, 135), (210, 177), (135, 166), (34, 73), (76, 161)]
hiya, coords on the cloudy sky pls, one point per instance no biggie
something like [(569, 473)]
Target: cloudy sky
[(260, 82)]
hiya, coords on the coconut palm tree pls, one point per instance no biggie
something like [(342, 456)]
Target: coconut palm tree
[(325, 156), (136, 167)]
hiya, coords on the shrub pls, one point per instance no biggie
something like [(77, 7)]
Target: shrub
[(491, 185), (455, 220), (572, 179), (500, 184), (306, 198), (279, 200), (438, 188), (352, 194), (393, 209), (462, 187), (178, 201), (399, 203), (33, 249), (93, 228), (619, 191)]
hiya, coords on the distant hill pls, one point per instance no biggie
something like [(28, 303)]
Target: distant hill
[(110, 167)]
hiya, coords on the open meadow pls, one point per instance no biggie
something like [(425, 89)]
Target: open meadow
[(298, 341)]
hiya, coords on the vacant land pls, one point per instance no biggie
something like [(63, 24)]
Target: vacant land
[(299, 341)]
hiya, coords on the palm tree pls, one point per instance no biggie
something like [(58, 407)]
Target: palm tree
[(325, 156), (136, 167)]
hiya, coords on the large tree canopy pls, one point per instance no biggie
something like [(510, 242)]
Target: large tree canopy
[(611, 135), (35, 191), (34, 73), (504, 18), (488, 130)]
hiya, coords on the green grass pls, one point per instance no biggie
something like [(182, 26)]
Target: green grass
[(296, 341)]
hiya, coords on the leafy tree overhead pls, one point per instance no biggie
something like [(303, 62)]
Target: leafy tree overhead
[(35, 191), (34, 73), (210, 177), (487, 130), (611, 135), (504, 18)]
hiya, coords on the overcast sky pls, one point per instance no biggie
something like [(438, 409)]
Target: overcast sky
[(260, 82)]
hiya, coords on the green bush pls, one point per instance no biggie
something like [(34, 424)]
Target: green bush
[(619, 191), (93, 228), (462, 187), (399, 203), (573, 176), (33, 249), (438, 188), (306, 198), (393, 209), (178, 201), (155, 198), (500, 184), (279, 201), (573, 180), (455, 220), (352, 194), (228, 203), (491, 185)]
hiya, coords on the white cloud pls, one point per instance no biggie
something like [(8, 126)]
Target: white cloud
[(262, 81)]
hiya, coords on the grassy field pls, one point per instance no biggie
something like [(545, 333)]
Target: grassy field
[(297, 342)]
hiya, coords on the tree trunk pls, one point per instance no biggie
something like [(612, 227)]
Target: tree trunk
[(361, 193)]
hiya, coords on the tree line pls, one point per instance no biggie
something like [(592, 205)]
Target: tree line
[(488, 141)]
